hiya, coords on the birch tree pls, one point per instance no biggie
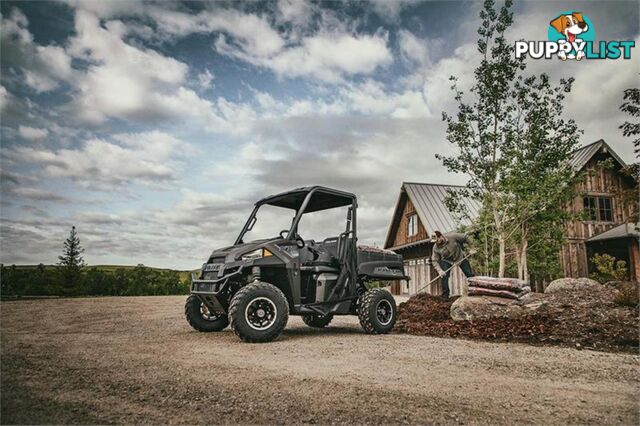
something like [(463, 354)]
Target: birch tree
[(512, 142), (480, 130)]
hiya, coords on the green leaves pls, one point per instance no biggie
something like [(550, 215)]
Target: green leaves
[(512, 140)]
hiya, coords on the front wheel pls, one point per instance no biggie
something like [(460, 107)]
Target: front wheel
[(200, 318), (377, 311), (258, 312)]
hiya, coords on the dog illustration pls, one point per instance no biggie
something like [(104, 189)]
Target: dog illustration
[(570, 26)]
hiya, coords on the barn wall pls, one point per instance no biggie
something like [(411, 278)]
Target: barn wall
[(634, 256), (402, 236), (598, 181), (418, 267), (421, 273)]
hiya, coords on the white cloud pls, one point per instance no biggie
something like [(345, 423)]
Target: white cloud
[(329, 54), (205, 79), (253, 32), (140, 84), (5, 97), (150, 158), (373, 98), (43, 67), (122, 77), (390, 10), (326, 56), (413, 49), (32, 133), (36, 194), (298, 12)]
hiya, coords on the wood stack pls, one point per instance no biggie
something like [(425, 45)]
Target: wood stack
[(510, 288)]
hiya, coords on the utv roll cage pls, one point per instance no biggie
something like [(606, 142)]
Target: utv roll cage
[(307, 200)]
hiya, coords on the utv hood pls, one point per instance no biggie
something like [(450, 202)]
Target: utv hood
[(231, 253)]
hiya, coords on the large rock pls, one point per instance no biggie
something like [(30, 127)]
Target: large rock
[(469, 308), (572, 284)]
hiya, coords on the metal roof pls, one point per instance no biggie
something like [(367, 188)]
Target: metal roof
[(626, 230), (582, 155), (428, 199)]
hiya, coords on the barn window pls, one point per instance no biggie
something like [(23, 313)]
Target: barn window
[(590, 208), (606, 213), (598, 208), (412, 226)]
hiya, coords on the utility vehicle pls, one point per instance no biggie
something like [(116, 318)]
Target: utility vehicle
[(255, 285)]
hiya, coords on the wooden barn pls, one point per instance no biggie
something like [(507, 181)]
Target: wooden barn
[(420, 210), (607, 227)]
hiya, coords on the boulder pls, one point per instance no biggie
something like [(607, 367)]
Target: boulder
[(469, 308), (572, 284)]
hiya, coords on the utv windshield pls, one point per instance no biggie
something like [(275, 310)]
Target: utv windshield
[(268, 222)]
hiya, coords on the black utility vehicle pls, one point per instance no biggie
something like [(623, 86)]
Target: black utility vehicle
[(256, 285)]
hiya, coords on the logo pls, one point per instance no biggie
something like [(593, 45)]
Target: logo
[(572, 36)]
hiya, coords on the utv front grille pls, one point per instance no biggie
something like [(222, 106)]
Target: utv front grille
[(207, 287)]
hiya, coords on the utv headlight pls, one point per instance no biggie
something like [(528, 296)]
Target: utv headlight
[(255, 254)]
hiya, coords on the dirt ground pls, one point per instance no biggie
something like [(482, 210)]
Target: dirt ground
[(135, 360)]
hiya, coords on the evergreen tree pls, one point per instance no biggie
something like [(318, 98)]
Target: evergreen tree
[(71, 263)]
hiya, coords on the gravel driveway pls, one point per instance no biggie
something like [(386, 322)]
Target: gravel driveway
[(135, 360)]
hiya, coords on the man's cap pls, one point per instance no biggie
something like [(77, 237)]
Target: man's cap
[(438, 234)]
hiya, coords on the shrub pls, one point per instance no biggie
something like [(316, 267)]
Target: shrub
[(608, 268)]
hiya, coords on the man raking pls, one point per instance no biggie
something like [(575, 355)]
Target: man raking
[(447, 251)]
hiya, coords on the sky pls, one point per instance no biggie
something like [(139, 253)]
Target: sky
[(153, 127)]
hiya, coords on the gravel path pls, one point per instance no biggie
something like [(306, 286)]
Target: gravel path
[(135, 360)]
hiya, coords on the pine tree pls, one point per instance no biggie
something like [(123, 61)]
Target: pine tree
[(71, 262)]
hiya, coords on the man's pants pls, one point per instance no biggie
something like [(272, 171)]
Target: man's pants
[(466, 270)]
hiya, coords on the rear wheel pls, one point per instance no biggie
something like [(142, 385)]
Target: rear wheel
[(317, 321), (200, 318), (377, 311), (258, 312)]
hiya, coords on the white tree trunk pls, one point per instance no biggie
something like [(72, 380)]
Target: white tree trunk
[(502, 254)]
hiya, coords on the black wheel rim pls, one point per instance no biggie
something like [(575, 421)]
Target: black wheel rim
[(384, 312), (260, 313), (206, 314)]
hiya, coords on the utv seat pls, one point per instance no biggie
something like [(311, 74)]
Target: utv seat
[(324, 257)]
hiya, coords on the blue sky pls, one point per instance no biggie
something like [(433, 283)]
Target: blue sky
[(153, 127)]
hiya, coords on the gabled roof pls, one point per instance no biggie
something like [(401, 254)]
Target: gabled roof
[(582, 155), (428, 200), (626, 230)]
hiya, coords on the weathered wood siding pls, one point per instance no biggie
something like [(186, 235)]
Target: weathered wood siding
[(421, 273), (598, 182), (402, 236), (634, 256)]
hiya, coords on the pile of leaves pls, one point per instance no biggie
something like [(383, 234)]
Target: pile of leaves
[(583, 319)]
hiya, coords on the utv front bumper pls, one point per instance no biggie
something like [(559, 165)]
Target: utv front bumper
[(209, 290)]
